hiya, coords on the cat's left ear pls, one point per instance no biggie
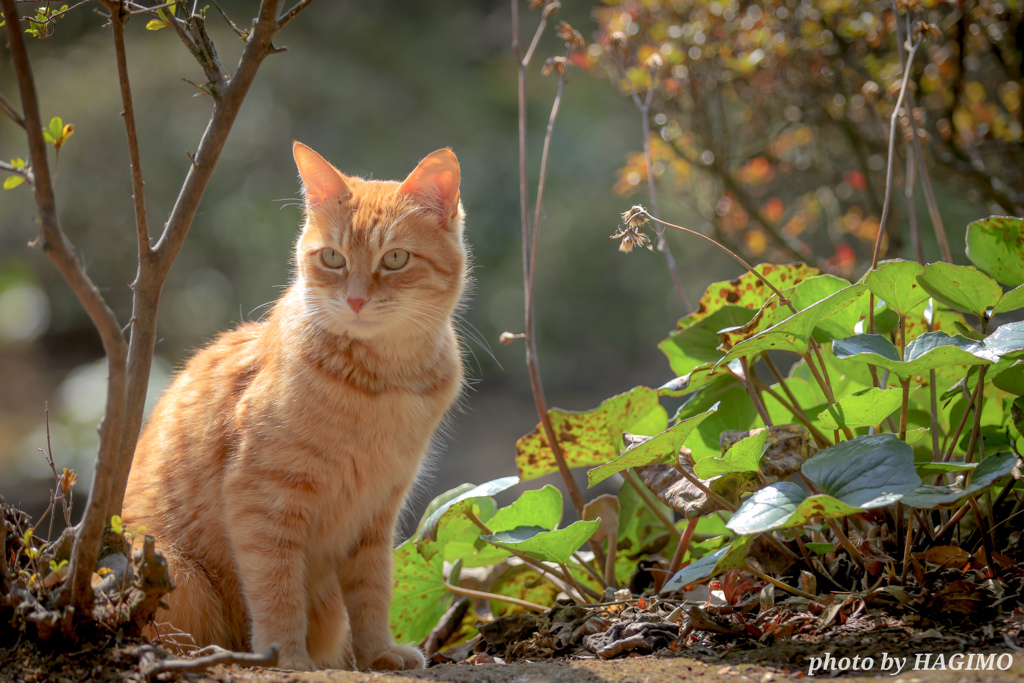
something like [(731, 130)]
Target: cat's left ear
[(321, 181), (435, 183)]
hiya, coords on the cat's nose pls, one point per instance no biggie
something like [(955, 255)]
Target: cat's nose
[(355, 303)]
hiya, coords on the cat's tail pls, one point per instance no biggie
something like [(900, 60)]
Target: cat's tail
[(199, 611)]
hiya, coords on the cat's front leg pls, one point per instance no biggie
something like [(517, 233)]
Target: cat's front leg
[(272, 569), (366, 583)]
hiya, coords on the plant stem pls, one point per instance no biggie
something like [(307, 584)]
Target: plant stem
[(481, 595), (904, 410), (681, 548), (736, 257), (976, 429), (530, 240), (748, 384), (907, 545), (893, 120), (779, 584), (846, 543), (645, 496), (799, 416), (986, 541)]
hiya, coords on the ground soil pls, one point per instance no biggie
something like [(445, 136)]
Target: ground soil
[(119, 661)]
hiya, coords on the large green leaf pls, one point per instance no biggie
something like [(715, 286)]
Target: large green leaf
[(929, 351), (1007, 341), (744, 456), (418, 598), (1011, 380), (867, 472), (794, 332), (592, 437), (965, 288), (543, 544), (985, 474), (735, 412), (783, 505), (863, 409), (747, 290), (662, 449), (538, 507), (996, 245), (895, 283), (698, 344), (732, 556)]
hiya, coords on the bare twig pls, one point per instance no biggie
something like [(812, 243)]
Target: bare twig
[(481, 595), (779, 584), (150, 666), (8, 110)]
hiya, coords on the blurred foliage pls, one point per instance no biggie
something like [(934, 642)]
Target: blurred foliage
[(773, 114)]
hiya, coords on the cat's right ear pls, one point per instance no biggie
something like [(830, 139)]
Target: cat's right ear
[(320, 180)]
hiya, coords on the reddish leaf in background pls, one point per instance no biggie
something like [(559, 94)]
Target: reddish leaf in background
[(856, 180)]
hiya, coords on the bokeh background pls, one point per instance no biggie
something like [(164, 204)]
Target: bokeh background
[(374, 87)]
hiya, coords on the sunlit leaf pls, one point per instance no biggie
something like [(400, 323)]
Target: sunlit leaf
[(996, 245), (747, 290), (1011, 301), (743, 456), (1007, 341), (428, 527), (543, 544), (663, 449), (895, 282), (11, 182), (419, 597), (697, 344), (929, 351), (863, 409), (965, 288), (592, 437)]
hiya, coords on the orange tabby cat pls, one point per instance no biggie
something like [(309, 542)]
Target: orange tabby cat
[(273, 469)]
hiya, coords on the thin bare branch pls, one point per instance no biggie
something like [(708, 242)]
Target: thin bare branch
[(293, 12), (150, 666), (8, 110), (78, 590)]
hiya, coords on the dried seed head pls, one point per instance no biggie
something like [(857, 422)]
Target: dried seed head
[(572, 37), (904, 6), (555, 65), (870, 91), (636, 217), (926, 30), (550, 8), (507, 338), (631, 233), (654, 63)]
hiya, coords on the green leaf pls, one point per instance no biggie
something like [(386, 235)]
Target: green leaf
[(116, 525), (965, 288), (11, 182), (698, 344), (895, 283), (1011, 380), (985, 474), (663, 449), (854, 476), (542, 544), (592, 437), (867, 472), (156, 25), (996, 245), (539, 507), (929, 351), (1007, 341), (418, 598), (864, 409), (744, 456), (783, 505), (793, 333), (925, 469), (1011, 301), (732, 556), (428, 527), (820, 548), (56, 128)]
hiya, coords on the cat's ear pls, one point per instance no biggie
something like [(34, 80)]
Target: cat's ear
[(321, 181), (435, 183)]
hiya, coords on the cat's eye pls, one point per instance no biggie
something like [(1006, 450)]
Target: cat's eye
[(395, 259), (332, 258)]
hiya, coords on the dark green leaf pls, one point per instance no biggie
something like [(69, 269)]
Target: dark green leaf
[(868, 472), (1011, 380), (929, 351), (732, 556), (985, 474)]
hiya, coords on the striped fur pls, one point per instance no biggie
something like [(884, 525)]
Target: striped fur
[(274, 467)]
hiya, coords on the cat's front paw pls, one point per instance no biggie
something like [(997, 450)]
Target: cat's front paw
[(296, 663), (398, 658)]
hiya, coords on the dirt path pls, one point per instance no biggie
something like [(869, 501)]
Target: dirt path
[(638, 670)]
